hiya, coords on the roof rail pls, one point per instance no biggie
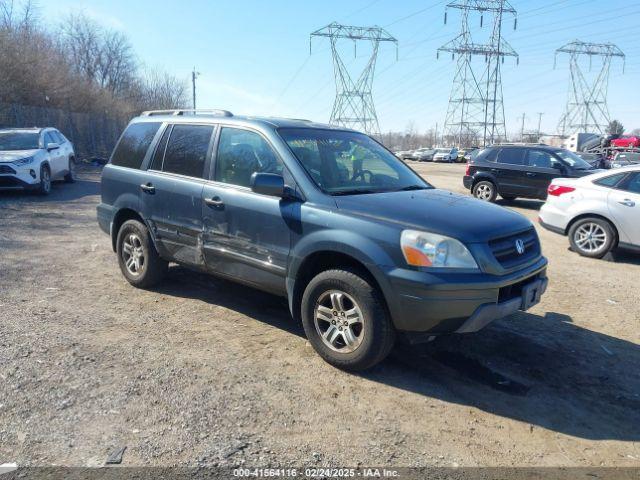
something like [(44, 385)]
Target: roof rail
[(541, 144), (189, 111)]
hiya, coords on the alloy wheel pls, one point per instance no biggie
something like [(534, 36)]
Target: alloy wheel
[(590, 237), (46, 180), (484, 192), (133, 254), (339, 321)]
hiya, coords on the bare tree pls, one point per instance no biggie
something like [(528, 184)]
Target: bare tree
[(160, 90)]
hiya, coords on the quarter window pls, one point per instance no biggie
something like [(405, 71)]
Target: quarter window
[(187, 149), (241, 153), (133, 144)]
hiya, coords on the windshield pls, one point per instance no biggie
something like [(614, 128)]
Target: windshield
[(19, 140), (349, 163), (573, 160), (443, 150)]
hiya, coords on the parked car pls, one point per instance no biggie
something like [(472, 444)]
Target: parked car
[(323, 216), (624, 159), (598, 213), (468, 154), (403, 154), (513, 171), (415, 153), (596, 160), (425, 155), (626, 141), (445, 155), (31, 158)]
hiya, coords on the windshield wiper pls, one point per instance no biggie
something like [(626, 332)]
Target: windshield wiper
[(355, 191), (412, 187)]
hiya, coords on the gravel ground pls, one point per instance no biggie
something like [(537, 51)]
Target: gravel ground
[(200, 371)]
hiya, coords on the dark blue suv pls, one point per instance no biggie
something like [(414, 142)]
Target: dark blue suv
[(362, 247)]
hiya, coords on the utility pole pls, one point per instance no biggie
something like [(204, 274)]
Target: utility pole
[(587, 109), (436, 139), (194, 75), (524, 115), (539, 123), (353, 106), (476, 109)]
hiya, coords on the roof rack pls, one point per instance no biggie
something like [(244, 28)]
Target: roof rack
[(182, 111)]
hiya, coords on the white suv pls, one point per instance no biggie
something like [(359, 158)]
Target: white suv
[(598, 212), (31, 158)]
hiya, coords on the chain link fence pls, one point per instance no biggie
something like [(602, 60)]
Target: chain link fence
[(93, 135)]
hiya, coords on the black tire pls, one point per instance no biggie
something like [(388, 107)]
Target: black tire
[(603, 235), (376, 333), (508, 198), (44, 187), (485, 190), (148, 272), (71, 176)]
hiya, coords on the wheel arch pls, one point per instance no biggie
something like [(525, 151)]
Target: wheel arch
[(484, 177), (119, 218)]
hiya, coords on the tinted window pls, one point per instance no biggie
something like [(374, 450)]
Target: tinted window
[(512, 156), (158, 156), (541, 159), (611, 180), (133, 145), (632, 184), (187, 150), (240, 154), (488, 154)]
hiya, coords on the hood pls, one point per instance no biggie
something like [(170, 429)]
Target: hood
[(439, 211), (13, 155)]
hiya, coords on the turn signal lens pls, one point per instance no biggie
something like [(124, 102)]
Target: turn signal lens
[(557, 190)]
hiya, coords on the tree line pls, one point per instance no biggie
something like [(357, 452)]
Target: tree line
[(77, 65)]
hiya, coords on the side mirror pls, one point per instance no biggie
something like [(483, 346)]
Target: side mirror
[(267, 184), (52, 146)]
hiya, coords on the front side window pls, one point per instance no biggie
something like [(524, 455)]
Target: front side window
[(572, 160), (346, 163), (241, 153), (541, 159), (133, 144), (48, 138), (187, 149), (512, 156), (19, 140)]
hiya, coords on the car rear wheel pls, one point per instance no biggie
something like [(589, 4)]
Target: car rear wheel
[(592, 237), (71, 176), (137, 256), (44, 188), (485, 190), (346, 321)]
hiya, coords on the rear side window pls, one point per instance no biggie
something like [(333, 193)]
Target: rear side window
[(187, 149), (158, 156), (133, 145), (611, 180), (512, 156), (488, 155), (632, 184)]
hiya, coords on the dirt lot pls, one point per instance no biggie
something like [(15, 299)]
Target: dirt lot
[(203, 372)]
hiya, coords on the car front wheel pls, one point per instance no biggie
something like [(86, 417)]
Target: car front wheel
[(592, 237), (44, 187), (137, 256), (346, 321), (485, 190)]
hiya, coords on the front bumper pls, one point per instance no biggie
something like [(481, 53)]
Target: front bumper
[(24, 178), (441, 303)]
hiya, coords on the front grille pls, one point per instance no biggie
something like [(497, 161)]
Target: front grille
[(505, 251), (7, 169)]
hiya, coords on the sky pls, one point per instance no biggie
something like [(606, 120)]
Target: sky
[(254, 57)]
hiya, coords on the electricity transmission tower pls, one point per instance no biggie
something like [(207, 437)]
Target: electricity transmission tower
[(353, 106), (587, 109), (476, 109)]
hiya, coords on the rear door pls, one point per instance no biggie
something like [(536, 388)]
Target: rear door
[(542, 167), (512, 176), (171, 197), (246, 235), (624, 205)]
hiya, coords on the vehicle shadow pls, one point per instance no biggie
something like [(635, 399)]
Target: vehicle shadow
[(84, 186), (527, 204), (543, 370)]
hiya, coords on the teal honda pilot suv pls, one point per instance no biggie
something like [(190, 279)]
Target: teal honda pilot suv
[(362, 247)]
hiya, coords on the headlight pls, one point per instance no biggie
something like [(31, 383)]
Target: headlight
[(23, 161), (424, 249)]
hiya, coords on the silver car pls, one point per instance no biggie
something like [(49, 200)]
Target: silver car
[(598, 212)]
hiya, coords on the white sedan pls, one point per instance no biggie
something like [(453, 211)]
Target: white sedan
[(598, 212)]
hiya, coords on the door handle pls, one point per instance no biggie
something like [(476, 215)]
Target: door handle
[(627, 203), (148, 188), (494, 170), (214, 202), (530, 174)]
